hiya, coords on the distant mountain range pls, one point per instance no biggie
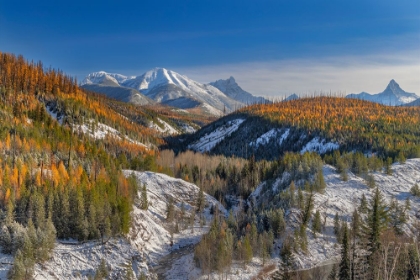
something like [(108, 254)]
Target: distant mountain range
[(393, 95), (234, 91), (168, 87)]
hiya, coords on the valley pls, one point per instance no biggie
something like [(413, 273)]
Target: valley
[(158, 176)]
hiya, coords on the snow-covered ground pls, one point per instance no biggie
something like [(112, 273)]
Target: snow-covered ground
[(6, 262), (319, 146), (148, 246), (343, 197), (148, 242), (79, 261), (150, 232), (210, 140)]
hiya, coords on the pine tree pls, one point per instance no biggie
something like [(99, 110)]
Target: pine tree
[(144, 204), (363, 205), (344, 272), (292, 189), (247, 250), (200, 200), (170, 210), (19, 269), (376, 221), (316, 223), (355, 233), (388, 164), (320, 184), (415, 190), (337, 226), (102, 271), (300, 202)]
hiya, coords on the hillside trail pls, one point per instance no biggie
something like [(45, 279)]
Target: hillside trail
[(165, 263)]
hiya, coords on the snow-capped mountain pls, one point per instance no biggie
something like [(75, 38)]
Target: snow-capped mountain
[(393, 95), (234, 91), (168, 87), (110, 84), (105, 78)]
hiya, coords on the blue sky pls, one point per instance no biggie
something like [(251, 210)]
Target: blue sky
[(270, 47)]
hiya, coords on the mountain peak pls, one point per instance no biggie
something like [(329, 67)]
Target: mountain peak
[(393, 95), (393, 86), (231, 79)]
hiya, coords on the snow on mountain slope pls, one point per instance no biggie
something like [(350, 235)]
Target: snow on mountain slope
[(413, 103), (164, 85), (393, 95), (102, 77), (150, 232), (320, 146), (161, 85), (80, 261), (234, 91), (271, 134), (208, 141), (100, 131), (166, 127)]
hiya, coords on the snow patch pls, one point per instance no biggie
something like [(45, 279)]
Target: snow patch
[(166, 127), (319, 146), (271, 134), (210, 140)]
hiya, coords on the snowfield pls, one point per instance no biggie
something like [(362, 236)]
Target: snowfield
[(210, 140), (319, 146)]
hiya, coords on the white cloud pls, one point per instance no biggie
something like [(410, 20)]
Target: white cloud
[(339, 74)]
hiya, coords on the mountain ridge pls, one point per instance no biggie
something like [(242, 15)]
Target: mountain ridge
[(169, 87), (393, 95), (231, 88)]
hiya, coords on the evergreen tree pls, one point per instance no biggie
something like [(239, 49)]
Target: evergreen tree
[(316, 223), (397, 216), (388, 164), (344, 273), (415, 190), (363, 204), (337, 226), (300, 202), (144, 204), (376, 221), (170, 210), (292, 189), (320, 184), (102, 271), (247, 250), (19, 268), (200, 200), (355, 233)]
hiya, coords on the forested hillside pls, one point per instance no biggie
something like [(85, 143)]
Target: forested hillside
[(320, 124), (61, 156)]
